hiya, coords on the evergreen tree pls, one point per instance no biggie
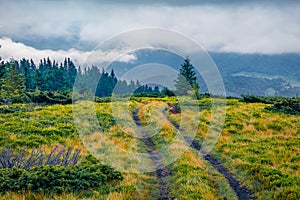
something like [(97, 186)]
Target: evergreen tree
[(121, 88), (71, 73), (186, 80), (112, 79), (12, 85), (2, 69), (81, 85), (28, 74), (167, 92), (112, 73), (156, 90)]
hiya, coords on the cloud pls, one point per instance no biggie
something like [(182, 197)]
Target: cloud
[(257, 27), (10, 49)]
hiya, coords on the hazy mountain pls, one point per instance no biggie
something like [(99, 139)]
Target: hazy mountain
[(254, 74)]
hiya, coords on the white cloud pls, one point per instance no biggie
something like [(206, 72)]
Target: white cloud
[(246, 28), (127, 58), (18, 51)]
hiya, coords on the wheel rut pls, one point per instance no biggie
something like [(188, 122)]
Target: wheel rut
[(242, 192), (162, 173)]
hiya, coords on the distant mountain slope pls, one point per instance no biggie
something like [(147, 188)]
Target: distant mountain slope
[(281, 64), (253, 74)]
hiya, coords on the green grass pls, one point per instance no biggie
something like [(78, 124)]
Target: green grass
[(260, 147), (191, 177)]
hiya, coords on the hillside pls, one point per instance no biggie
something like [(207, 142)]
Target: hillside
[(253, 74), (257, 150)]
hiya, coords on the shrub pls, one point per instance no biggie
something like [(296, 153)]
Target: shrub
[(280, 104), (53, 173), (259, 99), (105, 121), (275, 126), (50, 97), (15, 108), (287, 105), (289, 194), (32, 141), (58, 179)]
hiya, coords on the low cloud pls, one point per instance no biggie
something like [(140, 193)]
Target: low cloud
[(16, 50)]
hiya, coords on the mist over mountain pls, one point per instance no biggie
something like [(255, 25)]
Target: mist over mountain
[(254, 74)]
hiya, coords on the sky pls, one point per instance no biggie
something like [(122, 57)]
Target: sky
[(61, 28)]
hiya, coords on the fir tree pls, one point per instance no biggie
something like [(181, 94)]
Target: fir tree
[(2, 69), (186, 80), (12, 85)]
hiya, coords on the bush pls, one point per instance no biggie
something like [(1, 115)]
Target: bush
[(280, 104), (289, 194), (15, 108), (58, 179), (105, 121), (31, 141), (50, 97), (288, 105), (259, 99)]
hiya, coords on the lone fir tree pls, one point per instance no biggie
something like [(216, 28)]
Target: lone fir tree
[(187, 79)]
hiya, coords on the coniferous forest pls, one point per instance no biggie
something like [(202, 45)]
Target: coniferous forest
[(49, 81)]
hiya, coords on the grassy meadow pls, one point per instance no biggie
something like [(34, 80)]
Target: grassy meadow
[(260, 147)]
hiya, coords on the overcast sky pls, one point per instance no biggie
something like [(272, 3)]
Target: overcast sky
[(73, 28)]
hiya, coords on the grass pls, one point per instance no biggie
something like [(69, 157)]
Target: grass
[(260, 147), (190, 177)]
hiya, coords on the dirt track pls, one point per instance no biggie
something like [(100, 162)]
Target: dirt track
[(241, 191), (162, 172)]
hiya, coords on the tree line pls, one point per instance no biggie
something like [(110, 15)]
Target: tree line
[(50, 81), (20, 81), (53, 76)]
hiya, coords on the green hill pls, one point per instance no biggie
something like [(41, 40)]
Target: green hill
[(259, 148)]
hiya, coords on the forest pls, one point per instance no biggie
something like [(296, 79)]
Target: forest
[(49, 81)]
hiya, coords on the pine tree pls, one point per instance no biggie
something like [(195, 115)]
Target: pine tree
[(71, 73), (186, 80), (13, 85), (2, 69), (167, 92), (156, 90)]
